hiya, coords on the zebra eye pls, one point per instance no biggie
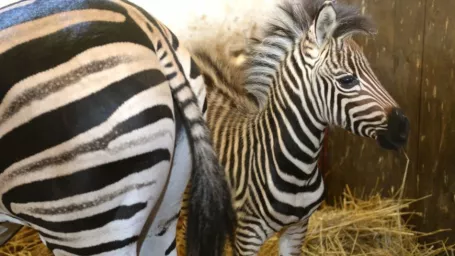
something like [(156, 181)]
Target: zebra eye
[(348, 81)]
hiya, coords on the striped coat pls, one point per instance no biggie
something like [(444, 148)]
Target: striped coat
[(101, 127)]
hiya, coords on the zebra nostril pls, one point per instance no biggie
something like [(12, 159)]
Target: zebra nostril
[(398, 126), (396, 112)]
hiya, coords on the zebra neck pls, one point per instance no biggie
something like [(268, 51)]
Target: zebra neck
[(291, 122)]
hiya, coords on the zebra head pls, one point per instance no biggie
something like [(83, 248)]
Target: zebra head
[(346, 91)]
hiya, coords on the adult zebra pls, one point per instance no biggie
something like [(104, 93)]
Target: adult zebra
[(305, 74), (94, 94)]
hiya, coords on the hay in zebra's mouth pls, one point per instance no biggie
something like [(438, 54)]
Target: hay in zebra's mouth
[(375, 226)]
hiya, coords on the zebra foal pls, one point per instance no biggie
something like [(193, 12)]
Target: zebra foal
[(268, 117), (101, 127)]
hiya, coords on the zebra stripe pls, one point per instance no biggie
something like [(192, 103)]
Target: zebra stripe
[(94, 95), (303, 75)]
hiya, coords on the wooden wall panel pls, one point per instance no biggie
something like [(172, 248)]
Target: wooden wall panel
[(437, 135), (414, 57)]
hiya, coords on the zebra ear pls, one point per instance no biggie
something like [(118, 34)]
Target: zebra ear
[(325, 23)]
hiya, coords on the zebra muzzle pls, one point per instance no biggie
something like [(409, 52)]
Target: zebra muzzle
[(396, 135)]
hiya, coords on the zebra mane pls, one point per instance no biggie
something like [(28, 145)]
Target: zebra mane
[(291, 20)]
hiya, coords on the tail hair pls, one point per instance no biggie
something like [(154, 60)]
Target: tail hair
[(211, 216)]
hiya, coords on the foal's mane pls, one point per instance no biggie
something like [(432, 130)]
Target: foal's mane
[(291, 20)]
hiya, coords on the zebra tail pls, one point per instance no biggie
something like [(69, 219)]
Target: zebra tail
[(211, 217)]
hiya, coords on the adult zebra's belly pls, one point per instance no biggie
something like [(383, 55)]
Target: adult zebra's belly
[(159, 237)]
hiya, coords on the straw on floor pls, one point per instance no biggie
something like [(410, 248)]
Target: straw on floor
[(357, 227), (354, 227), (25, 243)]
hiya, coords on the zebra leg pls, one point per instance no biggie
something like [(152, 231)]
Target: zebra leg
[(251, 233), (291, 241)]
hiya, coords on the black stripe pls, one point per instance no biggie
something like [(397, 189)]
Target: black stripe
[(45, 235), (261, 187), (260, 83), (245, 239), (204, 107), (363, 112), (40, 54), (224, 146), (84, 181), (97, 249), (293, 119), (174, 40), (171, 247), (320, 95), (287, 70), (189, 102), (236, 166), (264, 64), (290, 188), (242, 246), (163, 56), (338, 99), (179, 87), (299, 212), (101, 199), (166, 225), (42, 90), (311, 104), (194, 70), (66, 122), (179, 67), (171, 76), (153, 31), (91, 222), (247, 226), (248, 162), (293, 149), (294, 124)]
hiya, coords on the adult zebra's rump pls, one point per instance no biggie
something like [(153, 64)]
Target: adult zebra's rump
[(92, 93)]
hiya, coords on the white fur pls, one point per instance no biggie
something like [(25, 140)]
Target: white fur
[(178, 180), (325, 25)]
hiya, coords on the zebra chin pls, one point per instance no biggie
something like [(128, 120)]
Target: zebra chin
[(396, 135)]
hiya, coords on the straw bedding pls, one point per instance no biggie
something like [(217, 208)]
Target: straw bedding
[(353, 227), (358, 227)]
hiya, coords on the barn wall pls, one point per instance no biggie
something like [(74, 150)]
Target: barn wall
[(436, 159), (413, 55)]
